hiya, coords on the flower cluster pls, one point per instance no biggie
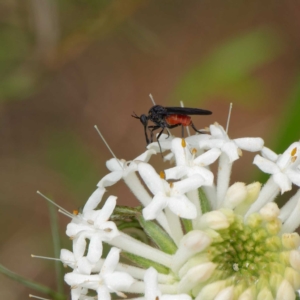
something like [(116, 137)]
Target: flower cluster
[(206, 239)]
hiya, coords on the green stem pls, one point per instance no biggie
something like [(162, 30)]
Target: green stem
[(204, 202), (31, 284), (187, 224), (57, 248)]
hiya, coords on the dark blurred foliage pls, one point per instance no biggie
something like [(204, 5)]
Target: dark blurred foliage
[(67, 65)]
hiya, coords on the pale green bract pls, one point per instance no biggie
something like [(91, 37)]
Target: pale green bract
[(204, 238)]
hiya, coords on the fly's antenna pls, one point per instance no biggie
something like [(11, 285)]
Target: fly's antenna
[(228, 118), (187, 127), (106, 144), (151, 97), (135, 116)]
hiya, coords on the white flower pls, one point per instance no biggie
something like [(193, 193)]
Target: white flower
[(285, 169), (93, 225), (168, 194), (214, 242), (120, 168), (219, 139), (106, 282), (188, 165)]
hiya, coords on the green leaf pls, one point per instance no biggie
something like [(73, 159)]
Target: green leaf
[(227, 70), (158, 235), (145, 263), (288, 127)]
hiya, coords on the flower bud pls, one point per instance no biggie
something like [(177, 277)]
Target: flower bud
[(291, 240), (270, 211), (215, 220)]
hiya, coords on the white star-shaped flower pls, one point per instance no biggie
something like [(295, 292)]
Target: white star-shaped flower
[(106, 282), (168, 194), (93, 225), (120, 168), (284, 168), (188, 165), (219, 139)]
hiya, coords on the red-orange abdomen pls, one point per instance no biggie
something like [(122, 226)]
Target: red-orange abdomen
[(178, 119)]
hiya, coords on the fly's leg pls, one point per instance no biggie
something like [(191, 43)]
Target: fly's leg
[(151, 129), (193, 126)]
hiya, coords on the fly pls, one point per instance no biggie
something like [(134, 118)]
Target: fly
[(168, 117)]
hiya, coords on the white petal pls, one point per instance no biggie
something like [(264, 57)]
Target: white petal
[(269, 154), (79, 245), (103, 293), (84, 266), (265, 165), (145, 157), (208, 157), (231, 149), (294, 176), (151, 286), (106, 210), (111, 261), (158, 203), (118, 281), (110, 231), (204, 173), (176, 173), (151, 178), (94, 200), (216, 130), (110, 179), (285, 159), (114, 165), (186, 185), (75, 293), (66, 256), (212, 143), (182, 154), (169, 157), (193, 140), (250, 144), (283, 182), (74, 279), (182, 207), (95, 248)]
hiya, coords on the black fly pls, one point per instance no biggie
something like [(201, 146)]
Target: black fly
[(168, 117)]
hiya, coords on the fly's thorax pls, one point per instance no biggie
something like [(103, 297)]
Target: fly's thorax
[(157, 114)]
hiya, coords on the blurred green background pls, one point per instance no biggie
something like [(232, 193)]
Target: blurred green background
[(69, 64)]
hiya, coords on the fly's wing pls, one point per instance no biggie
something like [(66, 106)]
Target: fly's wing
[(187, 111)]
